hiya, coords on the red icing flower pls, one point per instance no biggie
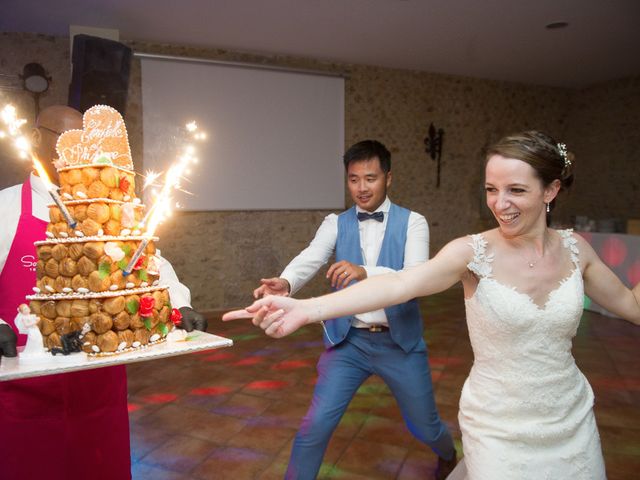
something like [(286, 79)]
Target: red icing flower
[(176, 317), (138, 265), (124, 185), (146, 306)]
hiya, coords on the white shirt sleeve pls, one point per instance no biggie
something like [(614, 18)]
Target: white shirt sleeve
[(179, 294), (302, 268), (416, 249)]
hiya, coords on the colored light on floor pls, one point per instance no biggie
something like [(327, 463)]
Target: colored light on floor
[(218, 356), (210, 391), (291, 365), (267, 385), (160, 398), (444, 361), (248, 336), (248, 361)]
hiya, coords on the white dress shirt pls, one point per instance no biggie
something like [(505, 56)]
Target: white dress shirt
[(10, 209), (302, 268)]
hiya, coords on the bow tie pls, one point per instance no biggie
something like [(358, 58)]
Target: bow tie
[(377, 216)]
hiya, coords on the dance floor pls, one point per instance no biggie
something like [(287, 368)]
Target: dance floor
[(233, 413)]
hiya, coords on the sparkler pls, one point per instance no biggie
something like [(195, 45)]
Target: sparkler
[(161, 208), (53, 191), (14, 126)]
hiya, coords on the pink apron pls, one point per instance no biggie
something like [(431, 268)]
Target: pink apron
[(59, 427)]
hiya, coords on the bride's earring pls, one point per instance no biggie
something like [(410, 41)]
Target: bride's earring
[(548, 208)]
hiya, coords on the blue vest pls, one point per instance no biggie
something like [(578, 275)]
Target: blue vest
[(405, 321)]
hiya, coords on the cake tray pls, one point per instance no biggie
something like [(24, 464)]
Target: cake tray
[(13, 368)]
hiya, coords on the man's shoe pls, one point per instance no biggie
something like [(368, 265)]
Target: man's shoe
[(445, 467)]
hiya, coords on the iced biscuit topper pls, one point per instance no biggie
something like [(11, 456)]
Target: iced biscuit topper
[(102, 141)]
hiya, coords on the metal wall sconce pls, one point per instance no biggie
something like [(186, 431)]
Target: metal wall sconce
[(35, 81), (433, 146)]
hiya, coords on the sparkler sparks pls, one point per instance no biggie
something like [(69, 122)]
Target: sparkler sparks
[(13, 125), (162, 207)]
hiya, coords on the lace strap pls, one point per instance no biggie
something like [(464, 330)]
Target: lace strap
[(570, 243), (481, 263)]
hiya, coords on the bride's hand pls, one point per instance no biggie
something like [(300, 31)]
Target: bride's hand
[(278, 316)]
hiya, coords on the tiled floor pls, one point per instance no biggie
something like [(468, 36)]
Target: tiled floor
[(232, 413)]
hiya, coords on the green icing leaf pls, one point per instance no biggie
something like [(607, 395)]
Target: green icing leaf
[(103, 160), (142, 275), (163, 328), (104, 270), (117, 180), (122, 264), (147, 323), (126, 249), (133, 306)]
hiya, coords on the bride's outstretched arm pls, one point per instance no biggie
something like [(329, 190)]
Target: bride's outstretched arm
[(280, 316)]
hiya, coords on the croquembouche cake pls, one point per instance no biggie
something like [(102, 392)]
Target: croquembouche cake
[(82, 281)]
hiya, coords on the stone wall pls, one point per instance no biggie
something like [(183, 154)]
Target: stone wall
[(222, 255)]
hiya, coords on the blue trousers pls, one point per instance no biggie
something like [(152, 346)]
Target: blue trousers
[(341, 371)]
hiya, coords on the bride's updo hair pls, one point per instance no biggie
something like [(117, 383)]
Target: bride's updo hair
[(547, 157)]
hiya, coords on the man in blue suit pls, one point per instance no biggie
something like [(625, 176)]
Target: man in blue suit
[(373, 237)]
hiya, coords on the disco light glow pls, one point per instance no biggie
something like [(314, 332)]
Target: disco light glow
[(267, 385)]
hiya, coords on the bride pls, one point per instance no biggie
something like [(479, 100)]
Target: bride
[(526, 411)]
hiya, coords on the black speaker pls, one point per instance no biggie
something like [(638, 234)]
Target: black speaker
[(100, 73)]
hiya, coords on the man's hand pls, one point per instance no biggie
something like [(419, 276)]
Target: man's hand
[(192, 320), (8, 341), (341, 273), (272, 286)]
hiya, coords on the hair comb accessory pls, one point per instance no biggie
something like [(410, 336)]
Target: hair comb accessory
[(562, 150)]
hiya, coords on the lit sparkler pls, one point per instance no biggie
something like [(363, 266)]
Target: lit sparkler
[(13, 126), (53, 191), (162, 206)]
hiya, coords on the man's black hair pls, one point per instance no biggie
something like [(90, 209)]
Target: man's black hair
[(366, 150)]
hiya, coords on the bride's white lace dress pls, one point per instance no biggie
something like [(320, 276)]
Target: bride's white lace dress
[(526, 410)]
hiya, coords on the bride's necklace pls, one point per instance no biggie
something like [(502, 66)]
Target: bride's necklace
[(532, 263)]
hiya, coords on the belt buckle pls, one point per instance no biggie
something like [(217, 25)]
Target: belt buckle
[(375, 328)]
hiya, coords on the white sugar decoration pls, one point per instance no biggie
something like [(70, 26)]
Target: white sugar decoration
[(122, 346), (67, 290), (100, 232), (113, 288), (125, 231), (83, 290), (50, 235), (144, 284), (135, 344), (67, 195), (79, 233), (81, 194), (49, 288), (36, 289), (130, 285), (95, 348), (154, 337), (64, 234)]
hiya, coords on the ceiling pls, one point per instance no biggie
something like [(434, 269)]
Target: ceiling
[(494, 39)]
